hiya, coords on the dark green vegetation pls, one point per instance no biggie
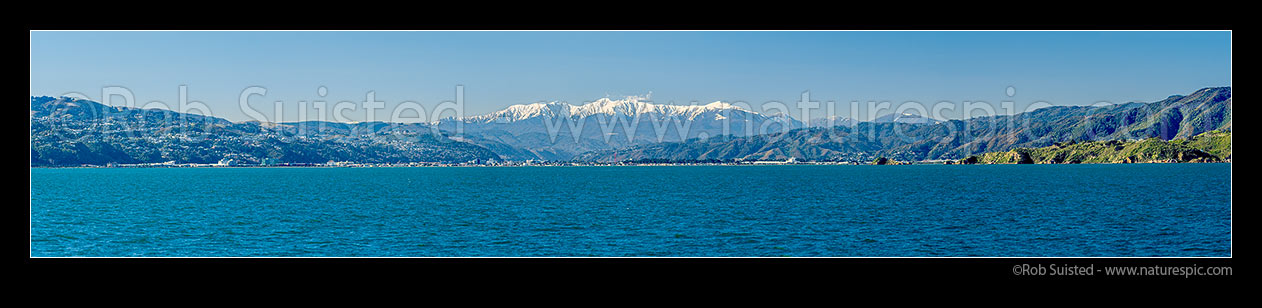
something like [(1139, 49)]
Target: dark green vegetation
[(68, 132), (1214, 146), (1174, 117)]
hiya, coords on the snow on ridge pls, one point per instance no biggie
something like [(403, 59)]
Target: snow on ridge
[(629, 106)]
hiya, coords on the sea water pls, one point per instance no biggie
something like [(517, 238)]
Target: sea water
[(668, 211)]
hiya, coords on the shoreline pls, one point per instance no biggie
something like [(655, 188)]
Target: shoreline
[(586, 165)]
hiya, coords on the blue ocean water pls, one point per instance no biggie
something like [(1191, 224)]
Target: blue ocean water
[(794, 210)]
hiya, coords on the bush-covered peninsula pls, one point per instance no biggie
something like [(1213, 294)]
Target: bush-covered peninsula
[(1213, 146)]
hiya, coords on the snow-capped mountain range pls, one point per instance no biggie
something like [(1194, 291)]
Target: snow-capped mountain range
[(631, 106), (558, 131)]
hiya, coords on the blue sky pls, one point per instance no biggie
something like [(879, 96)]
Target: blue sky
[(498, 69)]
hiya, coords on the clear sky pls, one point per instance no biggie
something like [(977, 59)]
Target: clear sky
[(498, 69)]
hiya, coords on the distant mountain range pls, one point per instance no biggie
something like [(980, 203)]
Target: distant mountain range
[(560, 131), (905, 118), (70, 132), (1174, 117)]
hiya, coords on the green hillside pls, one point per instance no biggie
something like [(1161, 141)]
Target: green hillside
[(1213, 146)]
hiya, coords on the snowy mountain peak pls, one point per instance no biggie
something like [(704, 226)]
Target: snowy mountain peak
[(719, 105), (629, 106)]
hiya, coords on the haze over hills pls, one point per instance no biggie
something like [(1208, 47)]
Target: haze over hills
[(1175, 117), (831, 121), (907, 118)]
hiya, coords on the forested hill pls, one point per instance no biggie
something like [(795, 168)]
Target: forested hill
[(1212, 146), (1178, 116)]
